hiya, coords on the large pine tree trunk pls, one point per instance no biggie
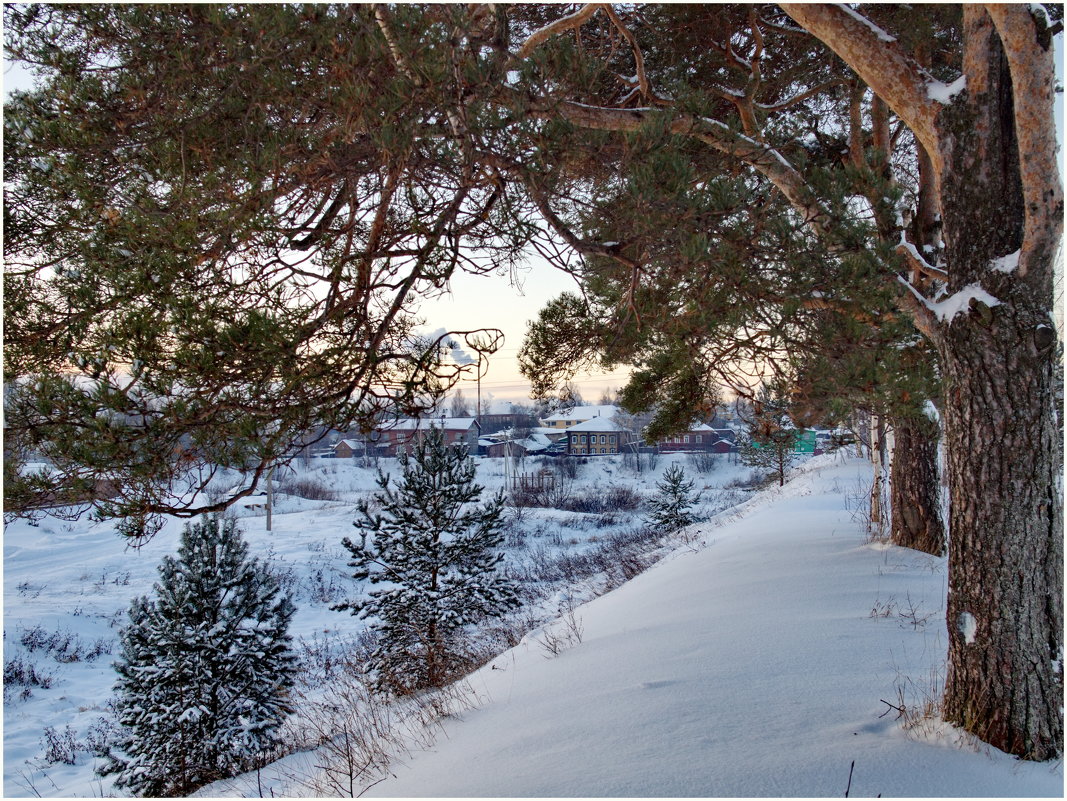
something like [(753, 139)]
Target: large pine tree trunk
[(994, 333), (914, 491), (1005, 597), (1005, 594)]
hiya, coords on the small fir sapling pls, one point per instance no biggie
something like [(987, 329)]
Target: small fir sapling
[(431, 554), (771, 438), (205, 670), (670, 507)]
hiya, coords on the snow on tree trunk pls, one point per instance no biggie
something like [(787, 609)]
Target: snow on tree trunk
[(877, 486)]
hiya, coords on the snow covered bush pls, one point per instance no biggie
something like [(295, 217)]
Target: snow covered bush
[(206, 667), (669, 508), (431, 553)]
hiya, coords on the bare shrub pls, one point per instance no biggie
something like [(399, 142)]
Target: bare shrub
[(309, 488), (640, 461), (753, 481), (619, 557), (569, 466), (601, 501), (19, 672), (356, 733), (721, 500), (514, 536), (325, 586), (918, 708), (907, 612), (554, 494), (702, 461), (60, 746), (351, 729), (566, 633), (101, 736)]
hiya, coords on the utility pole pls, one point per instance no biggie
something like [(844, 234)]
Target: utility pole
[(270, 495)]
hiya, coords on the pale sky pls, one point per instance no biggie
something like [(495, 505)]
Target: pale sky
[(493, 301)]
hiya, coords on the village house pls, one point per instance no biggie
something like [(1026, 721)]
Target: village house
[(557, 423), (397, 437), (349, 448), (504, 443), (599, 435), (701, 437)]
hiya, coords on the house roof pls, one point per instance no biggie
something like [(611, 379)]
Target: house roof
[(446, 423), (530, 445), (583, 413), (598, 424)]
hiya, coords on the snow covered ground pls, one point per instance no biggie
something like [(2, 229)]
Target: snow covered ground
[(67, 586), (756, 660)]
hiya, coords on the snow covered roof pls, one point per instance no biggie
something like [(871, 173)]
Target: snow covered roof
[(598, 424), (447, 423), (351, 443), (584, 413), (533, 444)]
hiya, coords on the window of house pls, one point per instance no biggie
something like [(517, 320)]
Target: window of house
[(583, 439), (686, 439)]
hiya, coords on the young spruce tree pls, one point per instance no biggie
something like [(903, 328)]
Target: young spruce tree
[(205, 667), (670, 508), (771, 437), (430, 551)]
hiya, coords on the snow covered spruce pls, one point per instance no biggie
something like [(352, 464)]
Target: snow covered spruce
[(432, 556), (670, 509), (205, 667)]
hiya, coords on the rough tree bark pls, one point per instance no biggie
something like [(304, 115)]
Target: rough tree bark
[(915, 496), (1005, 619)]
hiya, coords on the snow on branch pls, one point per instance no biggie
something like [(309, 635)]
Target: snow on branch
[(881, 34), (882, 64), (1006, 264), (945, 93), (1028, 47), (639, 59), (950, 307), (917, 262)]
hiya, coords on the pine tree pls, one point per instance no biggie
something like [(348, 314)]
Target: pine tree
[(205, 667), (430, 551), (771, 437), (670, 508)]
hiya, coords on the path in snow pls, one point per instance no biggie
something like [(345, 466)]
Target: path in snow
[(751, 667)]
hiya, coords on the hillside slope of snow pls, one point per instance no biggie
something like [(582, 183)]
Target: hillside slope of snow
[(753, 665), (761, 660)]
